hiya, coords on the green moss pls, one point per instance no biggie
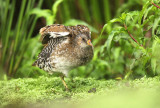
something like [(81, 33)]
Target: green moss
[(43, 89), (48, 90)]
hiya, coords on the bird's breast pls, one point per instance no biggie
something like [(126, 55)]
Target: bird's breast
[(85, 55), (68, 57)]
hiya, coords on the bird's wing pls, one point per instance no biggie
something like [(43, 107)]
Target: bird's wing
[(44, 55), (53, 35), (49, 47), (53, 31)]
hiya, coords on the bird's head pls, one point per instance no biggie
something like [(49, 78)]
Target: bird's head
[(84, 40)]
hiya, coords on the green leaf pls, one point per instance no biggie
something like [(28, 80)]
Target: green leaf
[(46, 13), (154, 64), (73, 22), (110, 22), (143, 12), (110, 38), (123, 17), (55, 7), (155, 25), (41, 13)]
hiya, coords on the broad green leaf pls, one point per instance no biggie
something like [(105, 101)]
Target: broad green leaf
[(110, 22), (154, 64), (109, 40), (41, 13), (73, 22)]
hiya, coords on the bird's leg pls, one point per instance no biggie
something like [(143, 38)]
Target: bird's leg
[(64, 83)]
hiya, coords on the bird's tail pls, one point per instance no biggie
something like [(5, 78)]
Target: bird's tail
[(35, 63)]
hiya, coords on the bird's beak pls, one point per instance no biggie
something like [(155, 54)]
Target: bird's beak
[(89, 43)]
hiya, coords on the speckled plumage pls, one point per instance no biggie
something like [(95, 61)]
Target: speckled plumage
[(65, 47)]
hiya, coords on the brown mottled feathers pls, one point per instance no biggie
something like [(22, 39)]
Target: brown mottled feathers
[(65, 47), (62, 30)]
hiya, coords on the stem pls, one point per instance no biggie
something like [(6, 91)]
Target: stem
[(155, 5), (132, 36)]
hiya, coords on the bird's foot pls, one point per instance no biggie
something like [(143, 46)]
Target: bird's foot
[(64, 83)]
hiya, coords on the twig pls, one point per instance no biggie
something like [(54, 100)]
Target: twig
[(155, 5), (132, 36)]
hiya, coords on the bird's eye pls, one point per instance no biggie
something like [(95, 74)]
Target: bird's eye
[(70, 35), (83, 39)]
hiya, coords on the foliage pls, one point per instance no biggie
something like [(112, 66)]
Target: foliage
[(129, 49), (15, 35), (142, 93), (48, 14), (125, 47)]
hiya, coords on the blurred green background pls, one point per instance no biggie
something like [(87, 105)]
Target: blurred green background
[(112, 22), (126, 39)]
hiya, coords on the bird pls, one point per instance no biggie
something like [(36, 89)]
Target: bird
[(65, 48)]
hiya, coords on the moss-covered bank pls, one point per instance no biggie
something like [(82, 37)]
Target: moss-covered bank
[(50, 90)]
